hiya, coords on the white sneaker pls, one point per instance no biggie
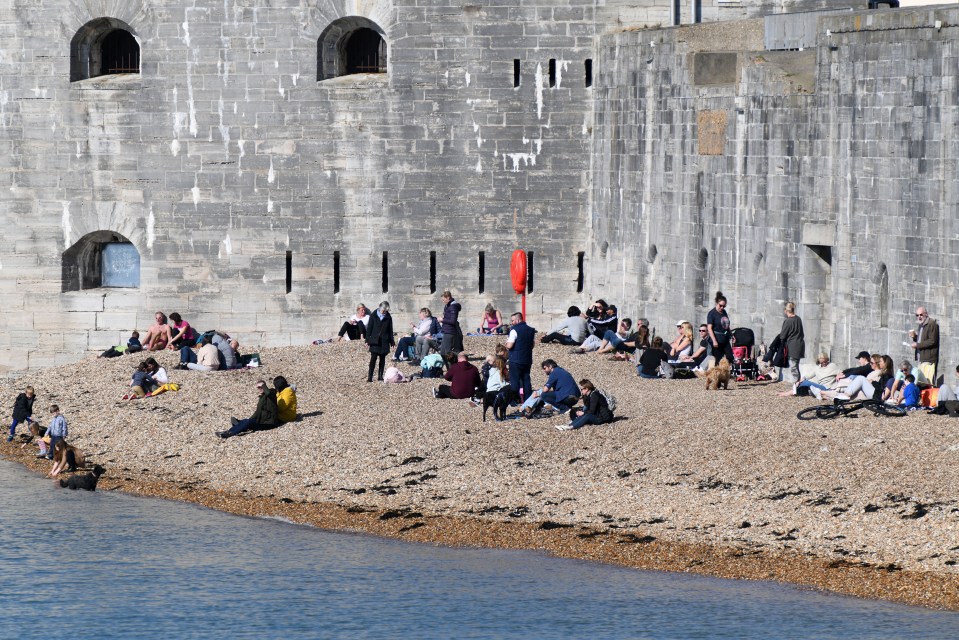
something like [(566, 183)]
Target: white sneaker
[(565, 427), (435, 395)]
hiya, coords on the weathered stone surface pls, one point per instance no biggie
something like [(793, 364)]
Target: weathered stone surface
[(225, 153)]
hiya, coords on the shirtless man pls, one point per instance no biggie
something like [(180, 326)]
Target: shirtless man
[(158, 336)]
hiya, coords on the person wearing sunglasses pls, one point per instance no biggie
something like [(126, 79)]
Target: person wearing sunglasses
[(717, 324), (702, 351)]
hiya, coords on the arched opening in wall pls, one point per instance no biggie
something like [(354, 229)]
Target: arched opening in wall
[(101, 259), (105, 46), (651, 254), (882, 279), (350, 45)]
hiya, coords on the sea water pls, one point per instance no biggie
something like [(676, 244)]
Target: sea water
[(109, 565)]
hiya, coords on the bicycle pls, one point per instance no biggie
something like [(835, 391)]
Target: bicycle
[(849, 408)]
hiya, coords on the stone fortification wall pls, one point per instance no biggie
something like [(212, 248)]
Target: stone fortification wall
[(824, 176), (226, 155), (264, 197)]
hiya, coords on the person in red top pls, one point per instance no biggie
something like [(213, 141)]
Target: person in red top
[(463, 379)]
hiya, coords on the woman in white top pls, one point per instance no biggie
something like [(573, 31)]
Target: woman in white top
[(355, 327), (498, 380), (682, 346)]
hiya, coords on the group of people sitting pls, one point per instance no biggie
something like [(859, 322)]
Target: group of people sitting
[(559, 395), (149, 379), (274, 407), (599, 330), (875, 377)]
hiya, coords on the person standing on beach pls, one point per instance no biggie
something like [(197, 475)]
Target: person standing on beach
[(57, 430), (794, 338), (520, 343), (450, 326), (379, 337), (22, 411), (717, 323), (925, 341)]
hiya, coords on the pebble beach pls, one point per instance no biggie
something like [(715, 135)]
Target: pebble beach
[(723, 483)]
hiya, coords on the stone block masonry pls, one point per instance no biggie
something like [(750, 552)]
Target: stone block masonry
[(828, 183), (267, 203), (225, 160)]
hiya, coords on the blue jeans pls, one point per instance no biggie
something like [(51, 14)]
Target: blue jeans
[(13, 426), (404, 346), (245, 425), (646, 375), (547, 397), (187, 355), (612, 338), (519, 378), (53, 445), (807, 383), (586, 418)]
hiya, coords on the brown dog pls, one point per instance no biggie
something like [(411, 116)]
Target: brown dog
[(718, 376)]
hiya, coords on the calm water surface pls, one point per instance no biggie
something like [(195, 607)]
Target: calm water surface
[(108, 565)]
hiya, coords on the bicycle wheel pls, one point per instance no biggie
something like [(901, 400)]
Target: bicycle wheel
[(887, 410), (822, 412)]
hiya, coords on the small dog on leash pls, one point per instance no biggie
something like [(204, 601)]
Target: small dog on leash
[(87, 482), (717, 376)]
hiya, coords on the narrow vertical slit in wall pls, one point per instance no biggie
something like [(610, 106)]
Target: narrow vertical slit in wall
[(529, 272), (589, 72), (336, 272), (432, 272), (289, 271), (482, 271), (883, 296), (675, 13), (552, 72), (580, 277), (515, 72), (386, 272)]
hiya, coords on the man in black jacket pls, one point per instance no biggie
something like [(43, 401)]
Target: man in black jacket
[(264, 417), (863, 369)]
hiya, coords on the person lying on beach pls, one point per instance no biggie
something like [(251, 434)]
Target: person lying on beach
[(133, 346), (265, 416)]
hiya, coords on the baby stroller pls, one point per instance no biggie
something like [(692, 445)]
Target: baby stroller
[(744, 364)]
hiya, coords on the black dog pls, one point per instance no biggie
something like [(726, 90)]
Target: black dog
[(87, 481)]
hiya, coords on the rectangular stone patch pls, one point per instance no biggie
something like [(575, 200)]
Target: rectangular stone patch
[(711, 126)]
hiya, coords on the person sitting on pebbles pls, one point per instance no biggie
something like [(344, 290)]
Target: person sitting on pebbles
[(560, 391), (285, 400), (595, 408), (265, 416), (464, 379), (141, 382)]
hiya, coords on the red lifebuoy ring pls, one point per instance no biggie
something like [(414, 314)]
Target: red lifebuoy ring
[(517, 270)]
